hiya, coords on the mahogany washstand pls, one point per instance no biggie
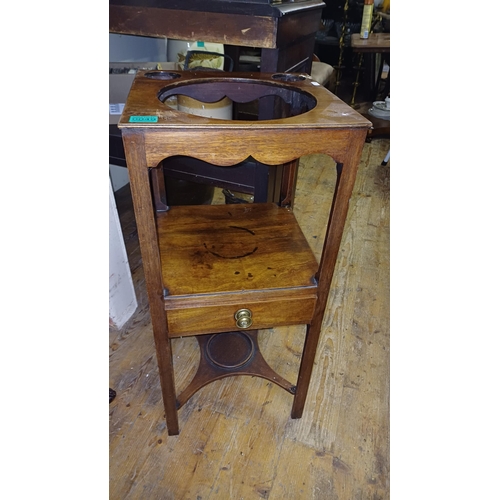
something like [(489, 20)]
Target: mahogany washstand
[(223, 272)]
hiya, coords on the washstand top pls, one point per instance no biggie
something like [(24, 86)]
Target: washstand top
[(306, 104)]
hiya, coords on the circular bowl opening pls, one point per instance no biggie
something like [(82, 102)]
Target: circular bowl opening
[(162, 75), (257, 100)]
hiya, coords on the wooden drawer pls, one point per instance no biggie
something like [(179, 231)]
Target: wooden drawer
[(214, 318)]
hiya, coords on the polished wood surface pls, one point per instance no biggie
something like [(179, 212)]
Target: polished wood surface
[(219, 259), (237, 438), (310, 120), (376, 42), (235, 353), (227, 249), (311, 106)]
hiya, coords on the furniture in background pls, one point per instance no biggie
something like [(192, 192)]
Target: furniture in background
[(321, 72), (284, 32), (376, 43), (221, 273)]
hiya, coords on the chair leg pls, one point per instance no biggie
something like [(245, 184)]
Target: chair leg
[(166, 369), (386, 159), (305, 370)]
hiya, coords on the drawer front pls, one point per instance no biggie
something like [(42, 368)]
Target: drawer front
[(221, 318)]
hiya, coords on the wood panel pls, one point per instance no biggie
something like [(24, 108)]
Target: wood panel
[(220, 318), (243, 247), (234, 29), (237, 439)]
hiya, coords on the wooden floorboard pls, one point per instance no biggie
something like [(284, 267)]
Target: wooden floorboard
[(237, 440)]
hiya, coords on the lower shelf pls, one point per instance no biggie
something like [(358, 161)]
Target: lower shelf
[(227, 355)]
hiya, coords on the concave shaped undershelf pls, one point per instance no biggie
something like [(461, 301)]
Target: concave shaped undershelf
[(217, 259)]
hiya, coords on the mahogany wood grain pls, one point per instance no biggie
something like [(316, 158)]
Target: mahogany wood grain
[(209, 372), (376, 42), (143, 204), (203, 263), (233, 248), (219, 259), (273, 312), (237, 438), (244, 30)]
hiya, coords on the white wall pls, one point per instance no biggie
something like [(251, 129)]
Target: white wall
[(131, 48), (122, 298)]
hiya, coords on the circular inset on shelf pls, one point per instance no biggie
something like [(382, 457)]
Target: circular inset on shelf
[(230, 349), (162, 75)]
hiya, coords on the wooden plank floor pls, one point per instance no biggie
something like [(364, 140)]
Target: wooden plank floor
[(237, 440)]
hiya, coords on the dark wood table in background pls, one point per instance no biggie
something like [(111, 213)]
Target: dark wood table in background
[(376, 43), (285, 32)]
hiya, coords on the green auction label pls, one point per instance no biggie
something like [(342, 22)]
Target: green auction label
[(143, 119)]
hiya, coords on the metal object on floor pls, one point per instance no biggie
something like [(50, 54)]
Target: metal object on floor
[(380, 110)]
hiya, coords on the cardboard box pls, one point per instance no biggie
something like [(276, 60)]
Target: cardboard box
[(121, 76)]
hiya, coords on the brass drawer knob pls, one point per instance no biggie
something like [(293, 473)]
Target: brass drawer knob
[(243, 318)]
